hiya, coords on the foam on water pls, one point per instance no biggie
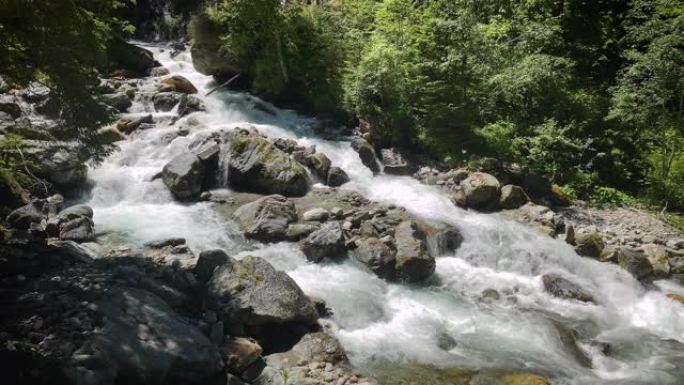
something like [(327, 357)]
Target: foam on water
[(441, 322)]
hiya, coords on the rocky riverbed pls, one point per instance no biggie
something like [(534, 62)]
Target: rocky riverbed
[(225, 243)]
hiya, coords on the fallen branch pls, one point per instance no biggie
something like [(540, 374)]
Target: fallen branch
[(226, 84)]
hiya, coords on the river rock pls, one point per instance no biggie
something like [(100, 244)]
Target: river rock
[(59, 165), (255, 164), (393, 162), (165, 101), (127, 126), (286, 144), (208, 261), (316, 215), (123, 55), (142, 340), (512, 197), (326, 242), (659, 258), (676, 297), (297, 231), (179, 84), (252, 292), (337, 177), (159, 71), (414, 263), (267, 219), (589, 245), (239, 353), (439, 238), (120, 101), (376, 256), (76, 224), (24, 216), (481, 191), (634, 261), (184, 175), (563, 288), (320, 164), (189, 104), (366, 153), (316, 347)]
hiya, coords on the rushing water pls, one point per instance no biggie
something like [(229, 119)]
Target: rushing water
[(442, 322)]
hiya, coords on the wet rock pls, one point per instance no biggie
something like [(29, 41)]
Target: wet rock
[(589, 245), (563, 288), (298, 231), (316, 347), (490, 296), (159, 71), (676, 297), (568, 338), (635, 262), (124, 55), (658, 256), (255, 164), (337, 177), (439, 238), (366, 153), (481, 191), (326, 242), (512, 197), (120, 101), (319, 164), (239, 353), (316, 215), (144, 341), (166, 242), (184, 175), (60, 166), (267, 219), (127, 126), (189, 104), (179, 84), (165, 101), (377, 256), (24, 216), (75, 250), (252, 292), (414, 264), (394, 163), (491, 378), (10, 107), (76, 224), (208, 261), (287, 145)]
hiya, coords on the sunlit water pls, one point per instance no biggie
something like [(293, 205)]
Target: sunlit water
[(378, 322)]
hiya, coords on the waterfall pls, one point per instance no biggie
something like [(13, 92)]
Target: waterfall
[(442, 322)]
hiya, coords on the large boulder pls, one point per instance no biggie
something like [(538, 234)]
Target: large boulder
[(184, 175), (252, 292), (481, 191), (143, 341), (60, 166), (255, 164), (563, 288), (22, 217), (165, 101), (208, 261), (589, 245), (180, 84), (266, 219), (377, 256), (126, 56), (320, 164), (414, 263), (439, 238), (189, 104), (208, 56), (635, 262), (120, 101), (76, 224), (512, 197), (393, 162), (659, 258), (326, 242), (337, 177), (366, 153)]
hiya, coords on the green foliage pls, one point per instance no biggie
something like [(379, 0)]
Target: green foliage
[(588, 93), (611, 197), (11, 160)]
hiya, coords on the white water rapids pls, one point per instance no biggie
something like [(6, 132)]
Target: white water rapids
[(379, 322)]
